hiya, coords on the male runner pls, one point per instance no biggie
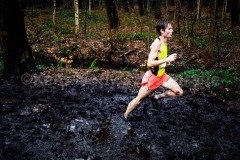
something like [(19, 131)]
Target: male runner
[(156, 76)]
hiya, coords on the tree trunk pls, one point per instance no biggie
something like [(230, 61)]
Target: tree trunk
[(141, 7), (148, 12), (166, 6), (76, 17), (224, 10), (198, 9), (54, 15), (234, 13), (126, 6), (157, 9), (80, 4), (176, 17), (89, 7), (190, 5), (212, 28), (112, 14), (131, 4), (14, 45)]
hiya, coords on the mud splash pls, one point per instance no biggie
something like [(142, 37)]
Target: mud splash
[(82, 121)]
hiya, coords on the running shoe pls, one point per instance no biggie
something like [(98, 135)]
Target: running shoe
[(154, 102)]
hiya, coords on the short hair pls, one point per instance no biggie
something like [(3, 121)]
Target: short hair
[(161, 24)]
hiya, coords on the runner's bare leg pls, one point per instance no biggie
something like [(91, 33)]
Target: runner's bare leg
[(143, 92), (174, 89)]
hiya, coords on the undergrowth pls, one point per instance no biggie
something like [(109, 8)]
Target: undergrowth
[(219, 82)]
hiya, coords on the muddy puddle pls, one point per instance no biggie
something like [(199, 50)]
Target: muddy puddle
[(82, 122)]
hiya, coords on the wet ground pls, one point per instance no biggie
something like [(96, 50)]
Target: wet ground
[(81, 121)]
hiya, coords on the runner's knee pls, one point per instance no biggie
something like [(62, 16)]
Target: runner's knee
[(179, 92)]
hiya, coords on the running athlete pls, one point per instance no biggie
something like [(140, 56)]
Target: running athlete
[(156, 75)]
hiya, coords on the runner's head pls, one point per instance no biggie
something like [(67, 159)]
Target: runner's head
[(161, 24)]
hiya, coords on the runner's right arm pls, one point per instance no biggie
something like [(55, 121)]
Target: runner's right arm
[(154, 53)]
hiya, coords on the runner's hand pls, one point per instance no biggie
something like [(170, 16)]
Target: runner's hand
[(172, 57)]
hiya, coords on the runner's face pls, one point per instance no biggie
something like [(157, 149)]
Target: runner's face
[(168, 31)]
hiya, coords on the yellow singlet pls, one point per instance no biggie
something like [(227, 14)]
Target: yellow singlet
[(159, 70)]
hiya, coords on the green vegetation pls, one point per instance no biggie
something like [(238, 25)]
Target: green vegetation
[(224, 81), (140, 35), (93, 65), (200, 42)]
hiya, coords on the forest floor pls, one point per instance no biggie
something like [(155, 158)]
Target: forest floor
[(75, 114)]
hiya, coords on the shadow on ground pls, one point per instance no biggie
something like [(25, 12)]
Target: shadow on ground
[(81, 121)]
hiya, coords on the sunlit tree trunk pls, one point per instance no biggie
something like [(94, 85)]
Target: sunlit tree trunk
[(76, 16), (226, 4), (14, 45), (54, 15), (89, 7), (198, 9), (112, 14)]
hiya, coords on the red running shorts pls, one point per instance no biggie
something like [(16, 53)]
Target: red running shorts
[(153, 81)]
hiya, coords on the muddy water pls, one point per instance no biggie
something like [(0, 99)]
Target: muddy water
[(81, 121)]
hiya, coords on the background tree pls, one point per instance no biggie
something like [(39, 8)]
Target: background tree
[(126, 6), (89, 6), (166, 6), (212, 29), (17, 53), (112, 14), (80, 4), (54, 15), (198, 9), (77, 27), (141, 7), (157, 9), (234, 13), (176, 16)]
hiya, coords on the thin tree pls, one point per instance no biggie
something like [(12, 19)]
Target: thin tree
[(224, 9), (148, 11), (54, 15), (89, 7), (176, 16), (212, 29), (14, 45), (76, 16), (198, 9)]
